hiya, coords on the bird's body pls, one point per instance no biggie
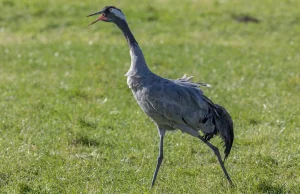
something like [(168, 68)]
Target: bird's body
[(172, 104)]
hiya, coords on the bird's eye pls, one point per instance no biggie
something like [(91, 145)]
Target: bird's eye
[(110, 9)]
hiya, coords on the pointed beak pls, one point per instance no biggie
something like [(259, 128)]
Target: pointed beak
[(101, 18)]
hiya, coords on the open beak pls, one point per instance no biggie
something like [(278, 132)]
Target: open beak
[(101, 18)]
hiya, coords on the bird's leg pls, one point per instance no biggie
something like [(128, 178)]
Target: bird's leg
[(160, 156), (217, 153)]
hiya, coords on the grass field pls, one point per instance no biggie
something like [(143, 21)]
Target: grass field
[(69, 123)]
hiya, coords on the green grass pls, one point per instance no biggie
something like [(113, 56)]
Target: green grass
[(69, 123)]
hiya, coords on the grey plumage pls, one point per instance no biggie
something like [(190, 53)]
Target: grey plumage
[(172, 104)]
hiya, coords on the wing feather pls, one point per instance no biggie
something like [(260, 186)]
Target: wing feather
[(180, 104)]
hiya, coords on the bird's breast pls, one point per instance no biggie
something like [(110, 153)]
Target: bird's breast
[(139, 90)]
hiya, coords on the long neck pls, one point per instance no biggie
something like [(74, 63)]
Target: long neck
[(138, 65)]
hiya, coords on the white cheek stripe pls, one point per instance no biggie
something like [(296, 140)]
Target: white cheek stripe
[(118, 14)]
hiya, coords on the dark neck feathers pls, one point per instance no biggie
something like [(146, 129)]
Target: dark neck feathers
[(122, 24)]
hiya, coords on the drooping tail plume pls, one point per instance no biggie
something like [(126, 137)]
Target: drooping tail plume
[(224, 125)]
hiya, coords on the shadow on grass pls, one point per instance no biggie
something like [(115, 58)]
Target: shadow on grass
[(245, 18), (267, 187), (25, 188), (84, 141)]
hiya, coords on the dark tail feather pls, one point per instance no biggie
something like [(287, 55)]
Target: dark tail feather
[(224, 125)]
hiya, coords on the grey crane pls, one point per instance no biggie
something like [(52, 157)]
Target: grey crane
[(172, 104)]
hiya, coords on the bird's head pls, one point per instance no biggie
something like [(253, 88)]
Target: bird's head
[(109, 14)]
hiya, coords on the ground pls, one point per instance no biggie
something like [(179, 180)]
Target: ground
[(69, 123)]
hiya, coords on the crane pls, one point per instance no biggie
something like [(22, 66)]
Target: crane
[(172, 104)]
